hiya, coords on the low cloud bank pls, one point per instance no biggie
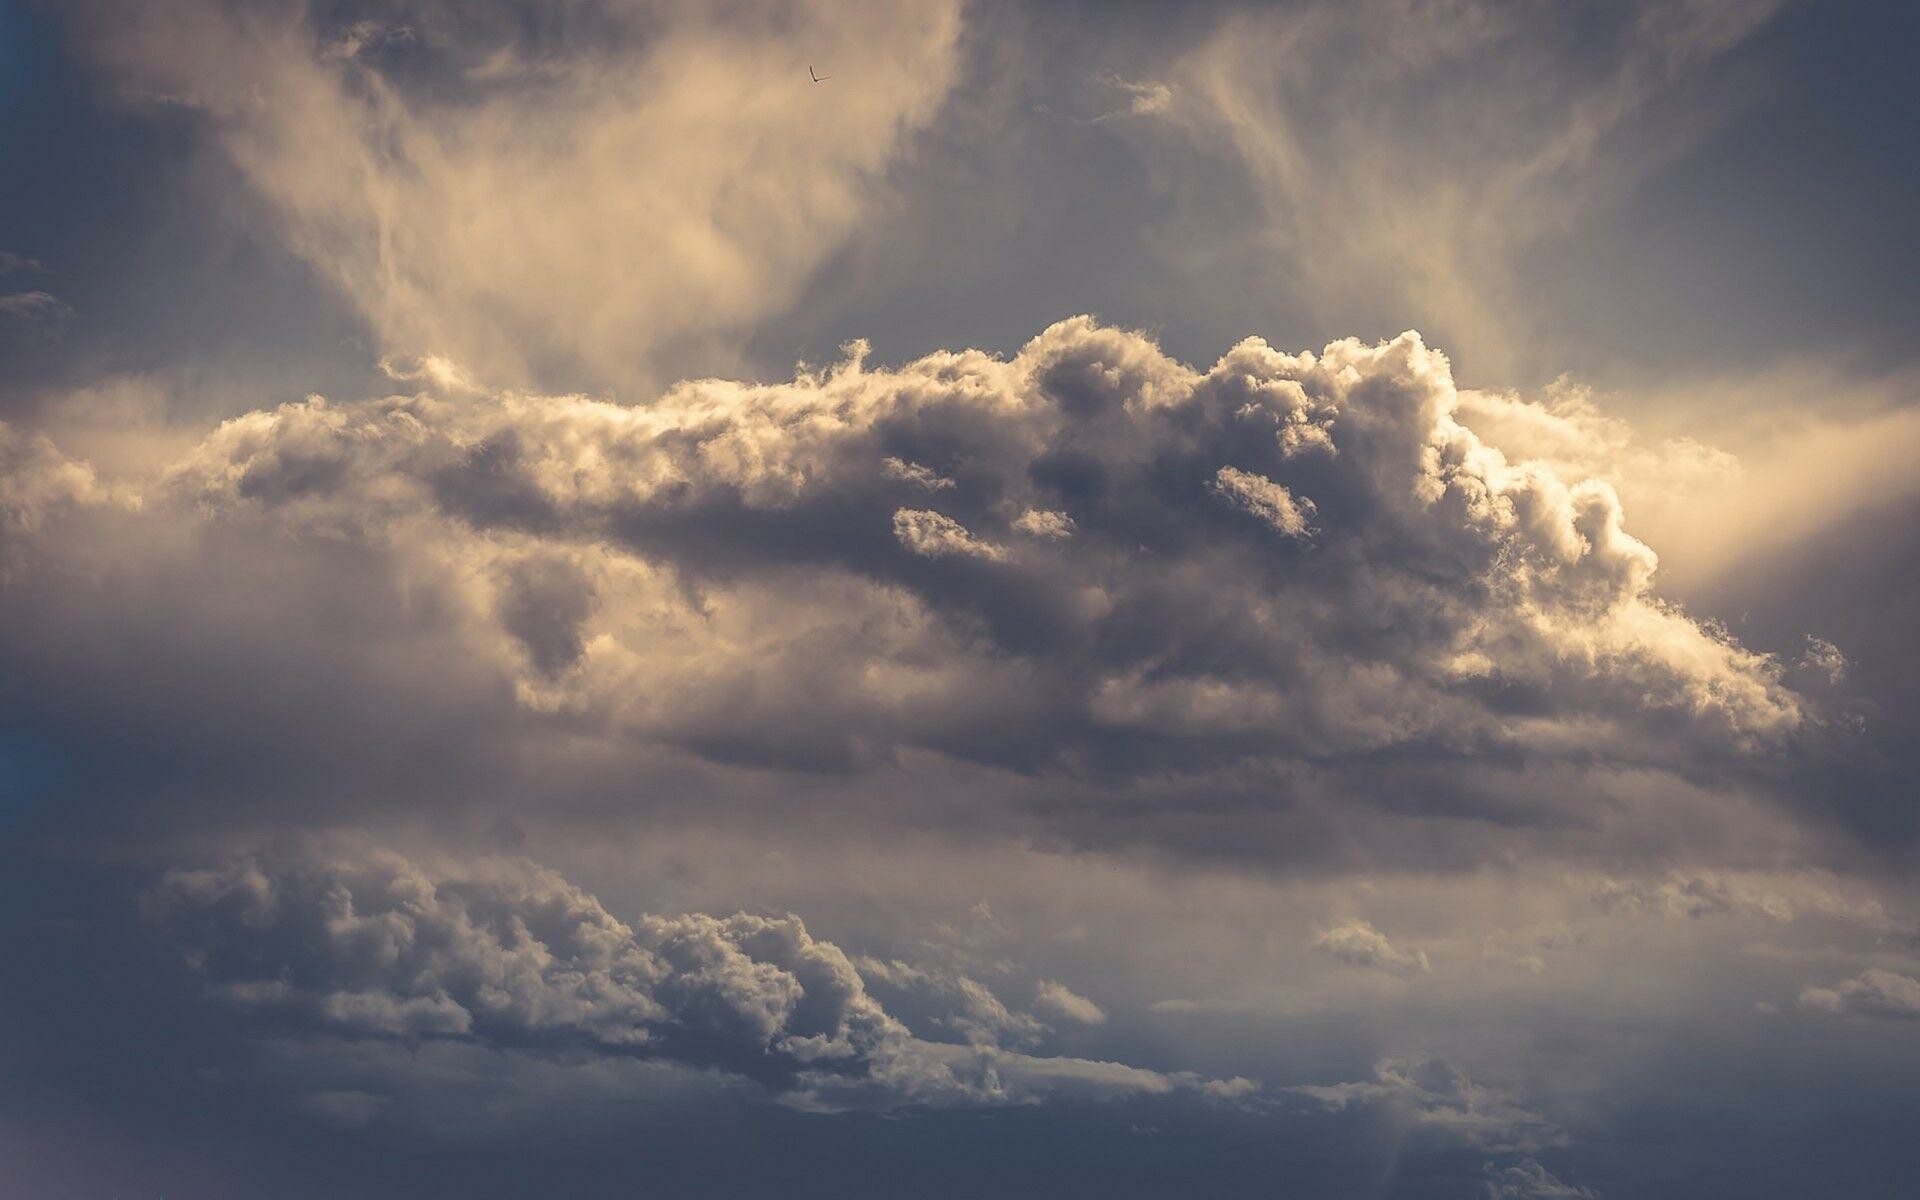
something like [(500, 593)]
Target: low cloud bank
[(509, 955)]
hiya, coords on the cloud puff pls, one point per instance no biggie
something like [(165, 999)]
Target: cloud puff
[(934, 535), (512, 956), (1361, 945), (34, 306), (1875, 992), (37, 482), (1823, 656), (1265, 499), (1044, 523), (1436, 1097), (1528, 1180), (1062, 1003), (913, 473), (1774, 896)]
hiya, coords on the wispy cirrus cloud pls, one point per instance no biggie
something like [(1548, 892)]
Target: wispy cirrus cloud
[(571, 197)]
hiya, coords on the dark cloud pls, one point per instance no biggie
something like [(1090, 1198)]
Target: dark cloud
[(1291, 582)]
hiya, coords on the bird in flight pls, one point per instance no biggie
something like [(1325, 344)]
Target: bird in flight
[(817, 78)]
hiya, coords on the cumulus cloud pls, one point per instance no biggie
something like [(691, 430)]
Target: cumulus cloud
[(34, 306), (1044, 523), (964, 1004), (509, 955), (1433, 1096), (1875, 992), (1062, 1003), (1503, 579), (37, 482), (1774, 896), (1265, 499), (914, 474), (1359, 944), (735, 570), (1144, 97), (11, 262), (527, 195), (935, 536), (1528, 1180), (1823, 656)]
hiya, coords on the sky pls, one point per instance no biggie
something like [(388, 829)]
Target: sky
[(1119, 600)]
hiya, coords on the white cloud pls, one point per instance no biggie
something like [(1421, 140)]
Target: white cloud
[(1823, 656), (1359, 944), (1774, 896), (1528, 1180), (510, 955), (1144, 97), (1875, 992), (1265, 499), (34, 306), (1044, 523), (1437, 1098), (929, 533), (915, 474), (1062, 1003)]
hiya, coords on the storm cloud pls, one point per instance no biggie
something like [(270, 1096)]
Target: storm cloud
[(1117, 575)]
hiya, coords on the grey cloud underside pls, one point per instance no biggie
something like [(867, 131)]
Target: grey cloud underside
[(1436, 1099), (1289, 574), (510, 956)]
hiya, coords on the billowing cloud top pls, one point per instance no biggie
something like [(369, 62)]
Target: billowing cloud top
[(510, 955), (1087, 557)]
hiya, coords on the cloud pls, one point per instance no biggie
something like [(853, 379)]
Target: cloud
[(532, 198), (1144, 97), (936, 536), (1826, 658), (1406, 156), (1774, 896), (1359, 944), (506, 954), (914, 474), (751, 573), (1875, 992), (1044, 523), (1435, 1097), (11, 262), (34, 306), (970, 1007), (37, 482), (1528, 1180), (1507, 577), (1062, 1003), (1264, 499)]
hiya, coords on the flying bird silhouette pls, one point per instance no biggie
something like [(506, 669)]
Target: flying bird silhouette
[(817, 78)]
